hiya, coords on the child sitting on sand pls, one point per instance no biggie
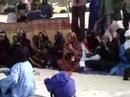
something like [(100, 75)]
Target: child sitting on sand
[(20, 80)]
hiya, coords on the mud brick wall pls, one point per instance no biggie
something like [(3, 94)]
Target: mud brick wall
[(34, 27)]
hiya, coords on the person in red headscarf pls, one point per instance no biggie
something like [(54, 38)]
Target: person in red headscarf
[(72, 53)]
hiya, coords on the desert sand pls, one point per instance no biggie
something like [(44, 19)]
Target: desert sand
[(87, 85)]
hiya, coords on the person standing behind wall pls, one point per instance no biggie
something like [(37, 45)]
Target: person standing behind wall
[(126, 14), (78, 14), (46, 9)]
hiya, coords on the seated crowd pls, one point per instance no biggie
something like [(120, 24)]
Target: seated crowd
[(20, 79), (109, 51), (102, 52), (23, 12)]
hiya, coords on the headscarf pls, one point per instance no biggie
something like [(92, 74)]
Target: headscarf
[(73, 46), (58, 37), (72, 38), (111, 31)]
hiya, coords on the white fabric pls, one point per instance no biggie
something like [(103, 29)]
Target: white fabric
[(2, 76), (95, 57), (84, 52), (127, 33), (82, 63), (84, 58), (111, 31), (114, 26), (12, 18), (26, 1), (110, 35), (127, 44)]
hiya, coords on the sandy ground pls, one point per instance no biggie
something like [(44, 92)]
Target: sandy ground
[(87, 85)]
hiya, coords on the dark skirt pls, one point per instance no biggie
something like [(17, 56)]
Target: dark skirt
[(100, 64)]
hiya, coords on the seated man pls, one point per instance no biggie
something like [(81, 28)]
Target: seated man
[(124, 55), (46, 9), (35, 13)]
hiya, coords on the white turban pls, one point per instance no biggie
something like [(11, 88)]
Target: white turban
[(127, 33), (127, 43)]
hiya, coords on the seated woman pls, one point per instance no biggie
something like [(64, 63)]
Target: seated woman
[(57, 50), (67, 62), (43, 47), (20, 82), (58, 44), (4, 50), (72, 46), (124, 55), (23, 40), (61, 85)]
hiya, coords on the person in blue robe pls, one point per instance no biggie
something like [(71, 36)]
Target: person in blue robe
[(20, 80)]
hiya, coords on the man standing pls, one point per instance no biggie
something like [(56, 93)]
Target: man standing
[(78, 18), (93, 16), (126, 14), (106, 11)]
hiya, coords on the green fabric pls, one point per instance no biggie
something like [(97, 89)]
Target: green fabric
[(12, 2), (117, 4), (105, 8), (110, 9)]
